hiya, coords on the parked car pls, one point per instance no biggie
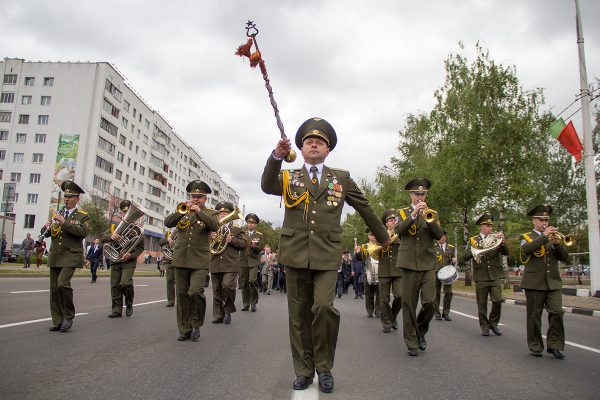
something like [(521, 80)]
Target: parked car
[(9, 256)]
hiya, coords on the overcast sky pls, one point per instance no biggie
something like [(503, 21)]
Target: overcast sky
[(362, 65)]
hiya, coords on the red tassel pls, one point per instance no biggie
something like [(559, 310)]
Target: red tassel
[(244, 50), (255, 59)]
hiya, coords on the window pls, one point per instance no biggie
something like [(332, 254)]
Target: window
[(143, 155), (126, 105), (134, 112), (21, 137), (137, 149), (29, 81), (135, 165), (122, 139), (1, 174), (17, 157), (7, 97), (140, 118), (106, 145), (108, 127), (112, 89), (146, 123), (40, 138), (109, 108), (118, 175), (128, 162), (101, 184), (38, 158), (116, 192), (124, 122), (26, 100), (46, 100), (32, 198), (142, 170), (3, 136), (120, 157), (2, 154), (35, 178), (127, 179), (145, 139), (141, 186), (29, 221), (103, 164), (23, 119), (49, 81), (4, 116), (10, 79), (43, 119), (15, 177), (130, 145)]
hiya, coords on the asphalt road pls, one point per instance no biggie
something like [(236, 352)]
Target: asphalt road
[(140, 358)]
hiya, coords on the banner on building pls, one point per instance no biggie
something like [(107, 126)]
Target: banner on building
[(66, 162)]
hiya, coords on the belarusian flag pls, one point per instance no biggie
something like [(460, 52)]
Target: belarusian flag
[(567, 136)]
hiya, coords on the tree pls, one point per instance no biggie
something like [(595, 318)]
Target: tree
[(270, 234), (96, 209)]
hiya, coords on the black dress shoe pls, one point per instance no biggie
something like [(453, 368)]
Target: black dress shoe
[(413, 352), (114, 314), (217, 321), (536, 353), (370, 315), (387, 330), (246, 308), (339, 295), (485, 332), (195, 335), (377, 314), (66, 325), (395, 325), (326, 382), (302, 382), (128, 311), (438, 317), (227, 318), (447, 317), (55, 328), (184, 336), (422, 343), (556, 353), (496, 330), (170, 305), (253, 307)]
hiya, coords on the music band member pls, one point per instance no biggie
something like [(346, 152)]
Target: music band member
[(121, 271), (416, 257), (311, 244), (249, 271), (168, 241), (371, 262), (68, 229), (541, 249), (225, 266), (487, 274), (445, 256), (191, 258), (390, 277)]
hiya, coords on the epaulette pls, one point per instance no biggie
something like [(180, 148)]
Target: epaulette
[(260, 233), (450, 245), (82, 211), (338, 169)]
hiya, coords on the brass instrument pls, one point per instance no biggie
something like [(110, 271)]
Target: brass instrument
[(373, 271), (182, 208), (567, 240), (167, 249), (218, 243), (130, 234), (491, 242), (429, 214), (374, 249)]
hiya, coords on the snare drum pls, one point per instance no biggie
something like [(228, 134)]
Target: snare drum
[(448, 274)]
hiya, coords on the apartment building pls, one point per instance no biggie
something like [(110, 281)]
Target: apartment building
[(81, 120)]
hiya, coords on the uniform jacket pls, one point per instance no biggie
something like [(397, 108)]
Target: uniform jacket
[(234, 255), (191, 249), (541, 257), (388, 261), (314, 239), (132, 261), (444, 257), (417, 250), (253, 253), (490, 266), (163, 242), (66, 249)]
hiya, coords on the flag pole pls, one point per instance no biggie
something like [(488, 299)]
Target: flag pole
[(589, 156)]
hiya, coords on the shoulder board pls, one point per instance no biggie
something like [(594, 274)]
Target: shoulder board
[(258, 233), (450, 245), (82, 211), (338, 169), (403, 211), (527, 237)]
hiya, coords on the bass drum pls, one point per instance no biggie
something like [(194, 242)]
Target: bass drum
[(448, 274)]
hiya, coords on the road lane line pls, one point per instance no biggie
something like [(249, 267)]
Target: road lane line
[(30, 291), (141, 285), (579, 346), (148, 302), (312, 393), (469, 316), (34, 321)]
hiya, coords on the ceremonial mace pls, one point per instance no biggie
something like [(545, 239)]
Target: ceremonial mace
[(255, 59)]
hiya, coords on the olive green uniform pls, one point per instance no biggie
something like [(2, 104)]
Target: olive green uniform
[(121, 276), (249, 271), (191, 259), (487, 274), (169, 273), (224, 269), (390, 280), (66, 254), (543, 284), (309, 248), (444, 257)]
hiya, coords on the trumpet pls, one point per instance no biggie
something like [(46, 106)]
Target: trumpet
[(183, 208), (429, 214), (567, 240)]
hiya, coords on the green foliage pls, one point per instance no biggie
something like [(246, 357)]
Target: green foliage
[(270, 234), (97, 211)]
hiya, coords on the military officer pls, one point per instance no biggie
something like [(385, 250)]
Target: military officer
[(249, 271), (68, 229), (487, 274), (390, 276), (121, 271), (225, 266), (168, 241), (191, 258), (541, 249), (445, 256), (311, 244), (416, 257)]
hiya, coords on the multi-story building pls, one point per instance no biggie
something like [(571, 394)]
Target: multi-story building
[(81, 120)]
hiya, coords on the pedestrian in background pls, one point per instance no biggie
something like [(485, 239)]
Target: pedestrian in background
[(27, 245)]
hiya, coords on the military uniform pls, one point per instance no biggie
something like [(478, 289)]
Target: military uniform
[(249, 271), (372, 296), (390, 280), (542, 284), (310, 247), (191, 259), (487, 274), (169, 272), (445, 255), (66, 254)]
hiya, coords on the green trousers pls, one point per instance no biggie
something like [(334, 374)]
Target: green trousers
[(249, 285), (314, 322), (415, 283), (61, 295), (447, 297), (191, 302), (389, 314), (372, 299), (551, 300), (224, 288), (121, 285), (170, 280), (493, 290)]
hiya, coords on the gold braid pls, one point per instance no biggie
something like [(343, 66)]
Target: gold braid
[(291, 199)]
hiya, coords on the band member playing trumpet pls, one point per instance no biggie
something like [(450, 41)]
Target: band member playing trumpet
[(487, 273), (541, 249), (121, 271), (225, 264), (191, 258), (371, 260), (445, 256), (390, 276), (169, 241), (68, 228), (418, 229), (249, 271)]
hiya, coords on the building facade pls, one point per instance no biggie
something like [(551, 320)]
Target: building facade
[(81, 120)]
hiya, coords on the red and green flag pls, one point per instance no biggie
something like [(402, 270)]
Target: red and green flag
[(567, 136)]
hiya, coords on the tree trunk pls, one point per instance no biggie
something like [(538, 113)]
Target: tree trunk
[(504, 258)]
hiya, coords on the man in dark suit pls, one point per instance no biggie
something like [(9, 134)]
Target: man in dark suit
[(94, 255), (311, 244)]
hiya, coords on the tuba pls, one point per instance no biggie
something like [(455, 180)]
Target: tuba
[(167, 249), (130, 234), (491, 242), (218, 244)]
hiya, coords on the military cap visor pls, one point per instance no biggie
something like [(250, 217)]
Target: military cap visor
[(224, 206), (124, 205), (71, 189), (316, 127), (419, 184), (540, 211), (198, 187), (388, 214), (485, 219), (252, 218)]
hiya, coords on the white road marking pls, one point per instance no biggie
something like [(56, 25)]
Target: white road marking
[(34, 321), (469, 316), (579, 346), (148, 302), (312, 393), (30, 291), (140, 285)]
